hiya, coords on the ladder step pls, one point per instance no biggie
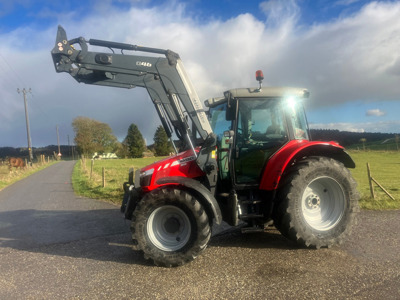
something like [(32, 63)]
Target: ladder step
[(250, 216), (250, 201), (252, 229)]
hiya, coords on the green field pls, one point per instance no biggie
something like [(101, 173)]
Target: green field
[(116, 173), (385, 167), (383, 145)]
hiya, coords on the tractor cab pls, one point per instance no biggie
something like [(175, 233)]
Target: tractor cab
[(251, 124)]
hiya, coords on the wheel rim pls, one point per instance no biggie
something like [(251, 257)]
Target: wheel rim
[(169, 228), (323, 203)]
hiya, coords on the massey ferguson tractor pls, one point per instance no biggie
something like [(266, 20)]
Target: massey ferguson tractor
[(247, 159)]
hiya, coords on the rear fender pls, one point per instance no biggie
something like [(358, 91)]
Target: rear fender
[(200, 191), (298, 149)]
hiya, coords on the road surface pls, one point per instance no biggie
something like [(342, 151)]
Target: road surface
[(55, 245)]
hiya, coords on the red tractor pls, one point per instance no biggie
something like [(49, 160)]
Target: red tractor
[(248, 159)]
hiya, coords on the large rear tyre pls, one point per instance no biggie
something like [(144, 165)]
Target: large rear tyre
[(317, 203), (171, 227)]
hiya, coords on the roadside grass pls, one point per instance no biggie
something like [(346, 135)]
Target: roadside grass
[(116, 173), (385, 168), (7, 178)]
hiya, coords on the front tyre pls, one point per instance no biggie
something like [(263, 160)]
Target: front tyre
[(318, 202), (170, 226)]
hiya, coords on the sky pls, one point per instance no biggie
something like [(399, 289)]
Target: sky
[(345, 52)]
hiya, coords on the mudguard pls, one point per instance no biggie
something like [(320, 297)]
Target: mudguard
[(207, 199), (297, 149)]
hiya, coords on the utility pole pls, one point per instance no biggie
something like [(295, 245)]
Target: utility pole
[(69, 148), (28, 132), (58, 143)]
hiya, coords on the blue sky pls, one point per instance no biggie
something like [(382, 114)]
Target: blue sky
[(346, 52)]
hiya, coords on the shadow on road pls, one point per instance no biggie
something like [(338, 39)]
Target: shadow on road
[(233, 237), (96, 234), (101, 234)]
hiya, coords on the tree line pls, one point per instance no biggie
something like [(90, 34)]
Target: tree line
[(347, 138), (93, 136)]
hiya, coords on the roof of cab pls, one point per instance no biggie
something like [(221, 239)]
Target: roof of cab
[(273, 92), (268, 92)]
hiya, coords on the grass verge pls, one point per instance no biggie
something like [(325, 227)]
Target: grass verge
[(7, 178)]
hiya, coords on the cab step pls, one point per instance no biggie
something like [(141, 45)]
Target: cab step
[(250, 216), (250, 201), (252, 229)]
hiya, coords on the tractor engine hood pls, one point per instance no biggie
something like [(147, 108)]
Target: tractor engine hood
[(182, 164)]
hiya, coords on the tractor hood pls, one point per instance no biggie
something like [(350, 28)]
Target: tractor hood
[(182, 164)]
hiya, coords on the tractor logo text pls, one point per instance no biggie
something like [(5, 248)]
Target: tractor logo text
[(143, 64)]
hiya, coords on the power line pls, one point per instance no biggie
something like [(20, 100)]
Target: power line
[(13, 71)]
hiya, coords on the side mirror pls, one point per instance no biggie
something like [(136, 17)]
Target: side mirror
[(228, 136)]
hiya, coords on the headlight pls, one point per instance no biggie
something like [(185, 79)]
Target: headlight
[(145, 177)]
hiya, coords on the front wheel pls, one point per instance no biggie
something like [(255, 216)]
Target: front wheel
[(318, 201), (170, 226)]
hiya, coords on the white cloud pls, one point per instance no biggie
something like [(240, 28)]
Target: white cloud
[(375, 112), (281, 12), (351, 58)]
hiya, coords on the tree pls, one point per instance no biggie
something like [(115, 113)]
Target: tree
[(122, 150), (93, 136), (134, 141), (161, 144)]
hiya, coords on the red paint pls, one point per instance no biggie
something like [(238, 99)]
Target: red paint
[(183, 165), (279, 161)]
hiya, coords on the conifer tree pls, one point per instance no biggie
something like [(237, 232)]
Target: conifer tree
[(135, 142), (162, 146)]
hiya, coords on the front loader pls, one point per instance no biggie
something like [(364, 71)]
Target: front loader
[(248, 159)]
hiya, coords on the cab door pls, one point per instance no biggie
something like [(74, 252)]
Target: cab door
[(260, 131)]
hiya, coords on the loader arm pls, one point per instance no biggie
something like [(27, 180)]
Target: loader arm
[(164, 78)]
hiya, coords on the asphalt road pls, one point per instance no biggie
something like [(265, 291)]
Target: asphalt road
[(55, 245)]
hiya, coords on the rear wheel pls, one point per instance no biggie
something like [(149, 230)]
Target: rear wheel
[(171, 227), (318, 201)]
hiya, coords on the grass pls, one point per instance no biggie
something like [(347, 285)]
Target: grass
[(7, 178), (385, 167), (384, 145), (116, 173)]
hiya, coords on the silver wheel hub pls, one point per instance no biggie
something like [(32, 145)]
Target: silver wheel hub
[(323, 203), (168, 228), (313, 201)]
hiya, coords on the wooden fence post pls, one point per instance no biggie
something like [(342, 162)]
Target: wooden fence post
[(371, 187), (383, 189), (370, 178), (91, 168), (104, 177)]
